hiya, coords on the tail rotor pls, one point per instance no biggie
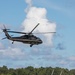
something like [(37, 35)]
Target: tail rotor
[(5, 29), (6, 37)]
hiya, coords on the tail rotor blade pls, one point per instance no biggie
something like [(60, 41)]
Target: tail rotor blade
[(4, 38), (5, 27)]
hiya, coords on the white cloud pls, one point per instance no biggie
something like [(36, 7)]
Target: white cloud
[(13, 53), (0, 28), (38, 15), (62, 62), (52, 57), (29, 2), (65, 7), (1, 46), (72, 58), (38, 52)]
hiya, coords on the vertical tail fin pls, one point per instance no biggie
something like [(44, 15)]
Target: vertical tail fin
[(6, 33)]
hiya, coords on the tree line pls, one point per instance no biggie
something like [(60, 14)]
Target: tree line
[(36, 71)]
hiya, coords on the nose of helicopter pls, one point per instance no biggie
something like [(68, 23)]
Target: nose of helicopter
[(40, 41)]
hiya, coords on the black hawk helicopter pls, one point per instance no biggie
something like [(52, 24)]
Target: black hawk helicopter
[(27, 38)]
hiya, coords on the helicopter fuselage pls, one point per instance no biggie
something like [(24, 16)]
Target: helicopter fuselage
[(28, 39)]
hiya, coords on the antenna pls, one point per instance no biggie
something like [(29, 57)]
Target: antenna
[(52, 72)]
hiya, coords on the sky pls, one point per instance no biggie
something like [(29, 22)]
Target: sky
[(57, 50)]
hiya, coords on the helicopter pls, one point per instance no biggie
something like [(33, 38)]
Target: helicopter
[(26, 38)]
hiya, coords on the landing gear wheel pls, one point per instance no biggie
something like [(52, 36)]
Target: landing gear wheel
[(31, 45), (12, 42)]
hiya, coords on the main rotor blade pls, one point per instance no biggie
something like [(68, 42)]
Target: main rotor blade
[(34, 27), (17, 32), (44, 33)]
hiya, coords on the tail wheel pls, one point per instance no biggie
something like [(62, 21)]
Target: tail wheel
[(12, 42), (31, 45)]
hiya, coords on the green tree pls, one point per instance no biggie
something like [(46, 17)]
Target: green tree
[(72, 72), (3, 70)]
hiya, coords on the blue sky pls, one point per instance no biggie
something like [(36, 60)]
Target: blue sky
[(12, 14)]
